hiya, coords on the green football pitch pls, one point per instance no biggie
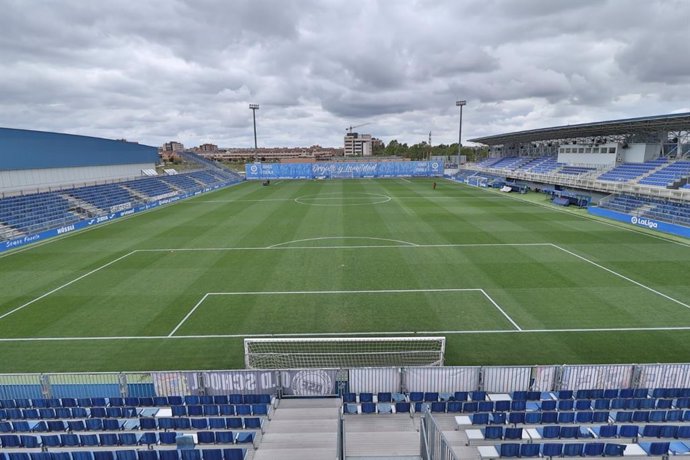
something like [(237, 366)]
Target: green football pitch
[(505, 280)]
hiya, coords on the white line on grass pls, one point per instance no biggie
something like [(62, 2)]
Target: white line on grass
[(188, 315), (341, 238), (622, 276), (337, 334), (500, 309), (65, 285), (278, 246), (405, 180), (365, 291)]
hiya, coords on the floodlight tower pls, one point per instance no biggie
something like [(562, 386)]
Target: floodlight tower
[(254, 108), (460, 104)]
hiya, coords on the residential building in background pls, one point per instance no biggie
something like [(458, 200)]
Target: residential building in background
[(357, 144), (172, 146)]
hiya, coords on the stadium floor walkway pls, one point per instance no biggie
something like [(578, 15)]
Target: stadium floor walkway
[(301, 429)]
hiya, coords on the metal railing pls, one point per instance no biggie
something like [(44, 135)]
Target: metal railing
[(328, 382), (433, 443)]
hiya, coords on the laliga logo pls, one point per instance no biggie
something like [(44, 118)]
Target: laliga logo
[(253, 168), (434, 165), (643, 222)]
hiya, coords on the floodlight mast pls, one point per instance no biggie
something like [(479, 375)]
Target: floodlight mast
[(460, 104), (254, 108)]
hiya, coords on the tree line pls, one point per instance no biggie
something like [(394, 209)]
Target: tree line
[(423, 150)]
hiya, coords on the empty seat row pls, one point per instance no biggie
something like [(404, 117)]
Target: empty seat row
[(155, 401), (91, 424), (9, 441), (198, 410), (185, 423), (170, 454), (148, 423)]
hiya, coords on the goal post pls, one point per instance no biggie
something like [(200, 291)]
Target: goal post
[(336, 352)]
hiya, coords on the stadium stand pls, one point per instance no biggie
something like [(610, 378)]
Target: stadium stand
[(629, 172), (665, 177), (27, 214), (653, 208)]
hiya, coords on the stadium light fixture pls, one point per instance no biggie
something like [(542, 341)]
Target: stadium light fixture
[(254, 108), (460, 104)]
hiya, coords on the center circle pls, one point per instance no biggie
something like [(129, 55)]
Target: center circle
[(338, 199)]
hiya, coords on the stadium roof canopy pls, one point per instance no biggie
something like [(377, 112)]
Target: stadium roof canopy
[(671, 122)]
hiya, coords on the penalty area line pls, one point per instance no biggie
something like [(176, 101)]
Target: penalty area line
[(347, 334)]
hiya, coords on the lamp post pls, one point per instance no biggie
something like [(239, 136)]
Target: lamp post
[(254, 108), (460, 104)]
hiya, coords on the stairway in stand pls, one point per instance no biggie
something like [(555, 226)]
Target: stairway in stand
[(301, 429)]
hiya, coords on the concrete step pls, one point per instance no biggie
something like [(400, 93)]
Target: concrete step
[(304, 426), (306, 403), (298, 441), (295, 454), (382, 443), (283, 413)]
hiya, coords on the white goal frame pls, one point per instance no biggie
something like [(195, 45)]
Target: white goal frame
[(340, 352)]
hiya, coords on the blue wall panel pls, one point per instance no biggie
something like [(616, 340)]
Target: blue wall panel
[(641, 221), (343, 170), (23, 149)]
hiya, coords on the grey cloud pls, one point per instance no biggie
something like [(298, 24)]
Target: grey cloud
[(182, 69)]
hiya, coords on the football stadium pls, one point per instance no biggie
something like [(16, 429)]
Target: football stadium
[(535, 303)]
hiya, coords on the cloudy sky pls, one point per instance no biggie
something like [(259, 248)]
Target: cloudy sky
[(159, 70)]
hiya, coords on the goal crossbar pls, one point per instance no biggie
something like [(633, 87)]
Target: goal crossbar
[(330, 352)]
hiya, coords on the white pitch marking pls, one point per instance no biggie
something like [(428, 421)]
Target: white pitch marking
[(405, 180), (367, 291), (336, 334), (341, 238), (66, 284), (407, 245), (188, 314), (501, 310), (623, 277)]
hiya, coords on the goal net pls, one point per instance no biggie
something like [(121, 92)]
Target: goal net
[(295, 353)]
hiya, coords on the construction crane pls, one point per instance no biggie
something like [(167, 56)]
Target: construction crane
[(350, 128)]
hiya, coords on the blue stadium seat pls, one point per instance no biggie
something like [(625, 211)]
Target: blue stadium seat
[(126, 454), (573, 449), (88, 440), (148, 439), (552, 449), (493, 432), (614, 450), (550, 432), (513, 433), (529, 450), (167, 438), (655, 448), (206, 437), (244, 437), (252, 423), (234, 454), (629, 431), (212, 454), (225, 437), (199, 423), (236, 422), (509, 450), (70, 440), (147, 455), (168, 454)]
